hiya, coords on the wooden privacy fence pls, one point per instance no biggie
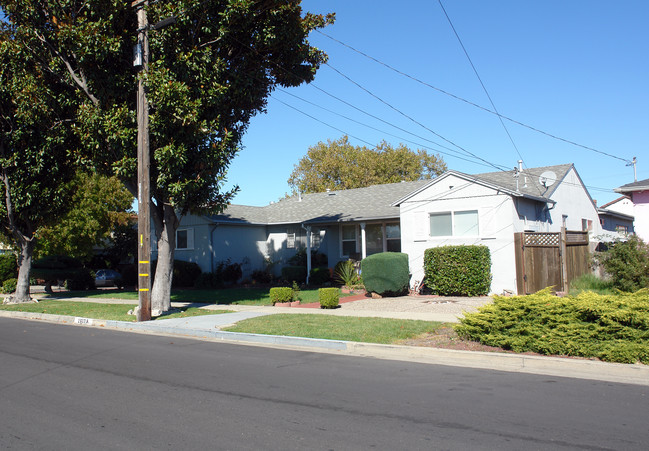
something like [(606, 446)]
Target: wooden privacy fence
[(550, 259)]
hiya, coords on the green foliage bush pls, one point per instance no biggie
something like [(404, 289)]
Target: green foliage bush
[(345, 274), (261, 276), (317, 258), (208, 280), (184, 273), (8, 267), (329, 297), (627, 263), (613, 328), (281, 294), (81, 279), (386, 273), (319, 276), (229, 272), (294, 273), (458, 270), (9, 286)]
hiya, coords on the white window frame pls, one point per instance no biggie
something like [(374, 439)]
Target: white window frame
[(452, 213), (190, 239), (355, 239), (290, 239)]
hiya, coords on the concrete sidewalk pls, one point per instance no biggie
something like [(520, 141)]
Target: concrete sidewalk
[(209, 327)]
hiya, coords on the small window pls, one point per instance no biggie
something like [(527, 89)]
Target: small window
[(441, 224), (586, 225), (315, 239), (184, 239), (393, 237), (290, 239), (348, 240)]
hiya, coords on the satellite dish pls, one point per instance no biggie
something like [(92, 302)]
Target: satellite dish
[(548, 178)]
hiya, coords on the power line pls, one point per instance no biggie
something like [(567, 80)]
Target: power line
[(428, 85), (484, 88), (410, 118), (373, 128)]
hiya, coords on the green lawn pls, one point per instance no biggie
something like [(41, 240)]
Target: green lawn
[(117, 312), (240, 296), (367, 330)]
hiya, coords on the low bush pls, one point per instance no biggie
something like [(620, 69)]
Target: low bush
[(458, 270), (9, 286), (345, 274), (82, 279), (294, 273), (386, 273), (329, 297), (184, 273), (627, 263), (229, 272), (208, 280), (281, 294), (8, 267), (317, 258), (261, 276), (319, 276), (613, 328)]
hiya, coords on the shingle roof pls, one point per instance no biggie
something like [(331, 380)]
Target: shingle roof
[(529, 180), (640, 185), (378, 201), (373, 202)]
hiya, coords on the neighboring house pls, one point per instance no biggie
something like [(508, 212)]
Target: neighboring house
[(487, 209), (616, 218), (454, 208), (342, 224), (639, 194)]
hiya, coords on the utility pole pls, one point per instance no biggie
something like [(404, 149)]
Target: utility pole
[(143, 163)]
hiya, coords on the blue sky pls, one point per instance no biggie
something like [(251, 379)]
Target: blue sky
[(575, 69)]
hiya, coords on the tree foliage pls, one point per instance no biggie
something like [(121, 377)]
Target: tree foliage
[(627, 262), (99, 205), (35, 144), (340, 165), (209, 74)]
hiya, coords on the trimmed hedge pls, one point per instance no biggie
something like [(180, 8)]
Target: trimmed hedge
[(386, 273), (294, 273), (329, 297), (614, 328), (281, 294), (458, 270)]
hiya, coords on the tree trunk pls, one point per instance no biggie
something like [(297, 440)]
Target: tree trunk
[(165, 231), (24, 268)]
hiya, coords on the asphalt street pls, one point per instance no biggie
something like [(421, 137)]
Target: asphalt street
[(87, 388)]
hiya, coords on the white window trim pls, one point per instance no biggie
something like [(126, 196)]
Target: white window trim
[(290, 239), (452, 213), (356, 239)]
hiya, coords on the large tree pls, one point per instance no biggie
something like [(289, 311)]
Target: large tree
[(35, 162), (340, 165), (209, 74), (98, 206)]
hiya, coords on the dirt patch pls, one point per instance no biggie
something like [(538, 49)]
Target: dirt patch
[(447, 338)]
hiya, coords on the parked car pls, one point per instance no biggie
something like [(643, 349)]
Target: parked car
[(108, 278)]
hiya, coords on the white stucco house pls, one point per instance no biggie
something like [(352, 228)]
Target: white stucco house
[(410, 217)]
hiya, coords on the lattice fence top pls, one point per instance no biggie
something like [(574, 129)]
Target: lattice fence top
[(542, 239)]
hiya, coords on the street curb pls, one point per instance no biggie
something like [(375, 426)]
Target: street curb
[(636, 374)]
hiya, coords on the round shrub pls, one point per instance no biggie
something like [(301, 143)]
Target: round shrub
[(386, 273), (329, 297)]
